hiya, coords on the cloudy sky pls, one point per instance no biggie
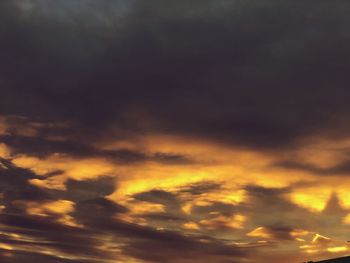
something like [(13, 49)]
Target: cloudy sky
[(185, 131)]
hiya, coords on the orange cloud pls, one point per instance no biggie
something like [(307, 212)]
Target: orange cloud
[(221, 221)]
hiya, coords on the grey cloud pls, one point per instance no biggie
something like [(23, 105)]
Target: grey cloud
[(42, 147), (342, 168), (256, 74)]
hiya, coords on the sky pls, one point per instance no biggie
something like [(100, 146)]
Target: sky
[(180, 131)]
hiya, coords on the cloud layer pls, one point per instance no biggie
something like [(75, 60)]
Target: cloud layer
[(153, 131)]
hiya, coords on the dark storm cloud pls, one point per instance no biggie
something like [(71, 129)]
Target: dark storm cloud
[(342, 168), (89, 189), (269, 207), (280, 232), (201, 188), (257, 73), (24, 257), (14, 184), (190, 250), (158, 196), (41, 147), (48, 233)]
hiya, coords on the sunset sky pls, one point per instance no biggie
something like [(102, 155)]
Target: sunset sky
[(174, 131)]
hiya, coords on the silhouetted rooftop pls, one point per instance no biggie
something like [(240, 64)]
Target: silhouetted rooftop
[(335, 260)]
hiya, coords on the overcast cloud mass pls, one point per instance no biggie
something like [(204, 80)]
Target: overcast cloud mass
[(180, 131)]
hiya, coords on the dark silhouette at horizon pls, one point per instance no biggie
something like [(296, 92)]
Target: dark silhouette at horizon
[(334, 260)]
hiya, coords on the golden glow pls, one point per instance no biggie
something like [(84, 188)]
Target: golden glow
[(69, 221), (5, 246), (230, 170), (59, 207), (191, 226), (4, 151), (73, 168), (145, 208), (46, 208), (320, 239), (299, 232), (322, 244), (77, 169), (344, 195), (232, 196), (259, 232), (346, 220), (314, 199), (158, 177), (233, 168), (312, 251), (337, 249)]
